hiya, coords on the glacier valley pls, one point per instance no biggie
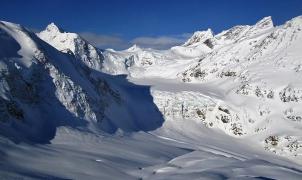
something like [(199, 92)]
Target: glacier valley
[(220, 106)]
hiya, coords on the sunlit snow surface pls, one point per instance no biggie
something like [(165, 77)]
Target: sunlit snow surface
[(225, 106)]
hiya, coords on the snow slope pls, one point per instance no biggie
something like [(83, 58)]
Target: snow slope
[(245, 81), (42, 88), (217, 107)]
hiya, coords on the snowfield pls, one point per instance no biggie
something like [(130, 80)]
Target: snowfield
[(220, 106)]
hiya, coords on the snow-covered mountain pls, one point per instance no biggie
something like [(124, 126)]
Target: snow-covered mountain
[(245, 81), (218, 106), (73, 44), (43, 88)]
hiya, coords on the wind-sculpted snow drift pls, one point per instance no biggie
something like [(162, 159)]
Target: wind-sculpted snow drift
[(212, 108)]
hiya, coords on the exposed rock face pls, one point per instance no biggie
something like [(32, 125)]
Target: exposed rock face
[(288, 94)]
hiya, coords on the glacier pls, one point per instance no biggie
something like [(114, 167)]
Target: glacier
[(220, 106)]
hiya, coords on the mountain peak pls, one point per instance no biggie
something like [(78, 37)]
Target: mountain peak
[(296, 21), (266, 22), (199, 37), (52, 27), (135, 47)]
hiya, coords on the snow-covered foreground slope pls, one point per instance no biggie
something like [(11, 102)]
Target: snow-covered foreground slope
[(192, 154), (213, 108)]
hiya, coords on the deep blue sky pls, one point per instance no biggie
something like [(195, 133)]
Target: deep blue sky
[(126, 20)]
